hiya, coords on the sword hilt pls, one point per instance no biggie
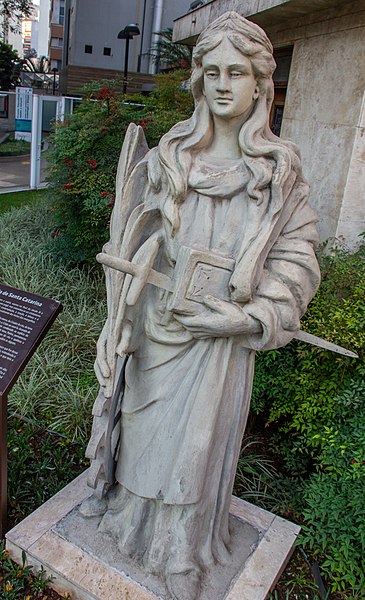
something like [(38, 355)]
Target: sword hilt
[(140, 268)]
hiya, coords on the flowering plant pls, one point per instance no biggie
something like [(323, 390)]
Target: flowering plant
[(84, 155)]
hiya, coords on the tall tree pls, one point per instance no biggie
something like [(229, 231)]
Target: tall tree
[(12, 12), (10, 65)]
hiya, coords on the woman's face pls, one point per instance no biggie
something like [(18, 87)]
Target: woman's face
[(230, 87)]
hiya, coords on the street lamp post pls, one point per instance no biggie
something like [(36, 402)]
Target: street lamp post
[(127, 34), (54, 71)]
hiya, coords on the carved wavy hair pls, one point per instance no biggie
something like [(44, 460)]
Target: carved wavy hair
[(267, 157)]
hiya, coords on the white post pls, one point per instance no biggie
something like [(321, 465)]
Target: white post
[(61, 109), (35, 148)]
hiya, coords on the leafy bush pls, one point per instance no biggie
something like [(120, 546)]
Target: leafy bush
[(41, 464), (58, 385), (84, 156), (312, 403)]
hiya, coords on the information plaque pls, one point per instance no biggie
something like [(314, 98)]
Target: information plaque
[(24, 320)]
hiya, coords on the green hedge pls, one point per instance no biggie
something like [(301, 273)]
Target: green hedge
[(312, 402)]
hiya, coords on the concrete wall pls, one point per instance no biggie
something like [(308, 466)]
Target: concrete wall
[(264, 12), (98, 23), (351, 220), (324, 114)]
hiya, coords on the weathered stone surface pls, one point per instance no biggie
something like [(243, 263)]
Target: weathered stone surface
[(83, 573), (323, 112), (218, 211)]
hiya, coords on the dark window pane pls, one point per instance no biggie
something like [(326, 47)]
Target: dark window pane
[(88, 49), (277, 119), (107, 51)]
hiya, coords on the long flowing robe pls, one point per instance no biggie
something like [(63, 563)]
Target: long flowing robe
[(185, 401)]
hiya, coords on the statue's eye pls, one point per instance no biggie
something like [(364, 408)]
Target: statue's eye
[(236, 74), (211, 74)]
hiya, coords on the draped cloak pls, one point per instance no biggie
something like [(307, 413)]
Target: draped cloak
[(185, 401)]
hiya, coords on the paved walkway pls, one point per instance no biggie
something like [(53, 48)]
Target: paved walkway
[(15, 173)]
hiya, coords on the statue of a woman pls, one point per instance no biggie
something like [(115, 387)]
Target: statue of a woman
[(220, 184)]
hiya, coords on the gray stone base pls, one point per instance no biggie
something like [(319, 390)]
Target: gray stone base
[(89, 570)]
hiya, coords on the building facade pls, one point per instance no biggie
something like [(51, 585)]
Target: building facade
[(91, 47), (43, 28), (56, 31), (321, 106)]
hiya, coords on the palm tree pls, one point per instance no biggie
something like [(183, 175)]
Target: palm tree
[(169, 55), (36, 64), (35, 72)]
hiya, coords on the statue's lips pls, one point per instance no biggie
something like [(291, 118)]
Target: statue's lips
[(221, 100)]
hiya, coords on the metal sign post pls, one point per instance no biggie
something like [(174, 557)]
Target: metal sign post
[(3, 464)]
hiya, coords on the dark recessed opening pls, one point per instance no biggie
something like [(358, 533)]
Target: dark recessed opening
[(88, 49), (107, 51)]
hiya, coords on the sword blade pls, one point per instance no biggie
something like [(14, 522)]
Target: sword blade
[(303, 336)]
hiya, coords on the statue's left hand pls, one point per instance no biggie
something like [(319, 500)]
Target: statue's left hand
[(217, 318)]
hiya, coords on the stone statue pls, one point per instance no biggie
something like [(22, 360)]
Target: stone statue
[(216, 235)]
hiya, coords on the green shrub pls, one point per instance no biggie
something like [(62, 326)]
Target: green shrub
[(312, 403), (84, 156)]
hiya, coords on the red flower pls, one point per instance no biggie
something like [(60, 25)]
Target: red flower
[(104, 93), (68, 163), (104, 194), (111, 203), (143, 124), (92, 163), (67, 186)]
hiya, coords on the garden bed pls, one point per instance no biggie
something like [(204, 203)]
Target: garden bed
[(12, 147), (307, 406)]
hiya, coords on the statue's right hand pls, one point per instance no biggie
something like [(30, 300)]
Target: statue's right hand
[(105, 361)]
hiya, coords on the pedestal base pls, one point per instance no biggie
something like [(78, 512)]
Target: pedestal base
[(80, 569)]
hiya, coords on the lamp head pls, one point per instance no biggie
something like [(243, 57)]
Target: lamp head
[(129, 32)]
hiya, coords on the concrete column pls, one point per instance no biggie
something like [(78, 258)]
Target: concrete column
[(156, 26)]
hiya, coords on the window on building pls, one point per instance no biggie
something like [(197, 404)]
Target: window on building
[(281, 77), (56, 64), (107, 51), (56, 42), (88, 49), (4, 107), (61, 15)]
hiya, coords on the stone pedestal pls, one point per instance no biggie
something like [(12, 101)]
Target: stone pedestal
[(49, 538)]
